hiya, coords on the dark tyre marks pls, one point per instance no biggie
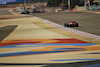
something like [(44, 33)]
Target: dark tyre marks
[(75, 64), (6, 30)]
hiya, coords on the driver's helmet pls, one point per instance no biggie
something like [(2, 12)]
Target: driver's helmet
[(70, 21)]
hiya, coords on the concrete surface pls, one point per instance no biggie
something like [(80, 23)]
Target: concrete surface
[(36, 44)]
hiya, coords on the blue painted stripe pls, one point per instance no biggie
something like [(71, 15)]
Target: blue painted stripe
[(76, 59), (62, 44), (41, 45), (65, 48), (36, 52), (93, 65)]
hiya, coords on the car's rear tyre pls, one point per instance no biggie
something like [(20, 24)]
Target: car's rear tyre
[(65, 25)]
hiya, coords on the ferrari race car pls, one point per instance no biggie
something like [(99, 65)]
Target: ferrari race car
[(71, 24)]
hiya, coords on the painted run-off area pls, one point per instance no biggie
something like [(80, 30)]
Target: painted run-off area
[(33, 41)]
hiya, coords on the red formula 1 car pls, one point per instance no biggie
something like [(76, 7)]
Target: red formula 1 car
[(71, 24)]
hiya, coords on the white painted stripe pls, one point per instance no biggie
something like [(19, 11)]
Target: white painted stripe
[(12, 12)]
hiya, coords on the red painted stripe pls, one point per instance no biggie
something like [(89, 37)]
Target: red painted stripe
[(5, 18), (7, 44), (34, 41), (70, 41)]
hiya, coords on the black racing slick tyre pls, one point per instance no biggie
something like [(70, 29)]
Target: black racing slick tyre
[(77, 25), (65, 25)]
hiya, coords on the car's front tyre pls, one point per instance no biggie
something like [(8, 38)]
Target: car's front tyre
[(77, 25)]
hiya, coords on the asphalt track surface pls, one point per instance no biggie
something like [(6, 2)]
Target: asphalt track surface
[(6, 30), (88, 22), (5, 12)]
